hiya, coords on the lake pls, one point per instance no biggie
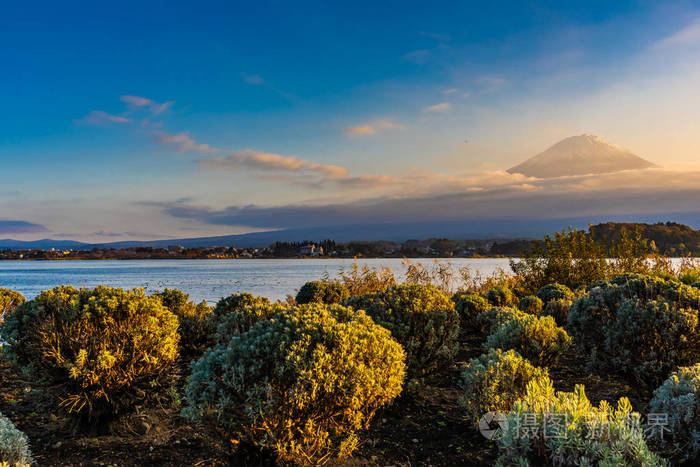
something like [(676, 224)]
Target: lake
[(203, 279)]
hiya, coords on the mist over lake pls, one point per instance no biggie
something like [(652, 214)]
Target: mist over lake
[(204, 279)]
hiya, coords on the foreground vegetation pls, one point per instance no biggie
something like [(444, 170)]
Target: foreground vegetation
[(369, 369)]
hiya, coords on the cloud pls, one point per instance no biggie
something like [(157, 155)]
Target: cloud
[(438, 108), (689, 35), (450, 91), (154, 107), (98, 117), (631, 193), (269, 162), (253, 79), (419, 57), (184, 142), (102, 233), (491, 83), (373, 127), (15, 227)]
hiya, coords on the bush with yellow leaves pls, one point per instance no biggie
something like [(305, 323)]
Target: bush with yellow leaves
[(565, 429), (302, 383), (495, 380), (422, 318), (9, 301), (103, 349), (196, 321)]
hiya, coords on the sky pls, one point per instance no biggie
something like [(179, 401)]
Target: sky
[(155, 120)]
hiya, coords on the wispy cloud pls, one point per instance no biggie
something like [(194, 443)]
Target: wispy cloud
[(253, 79), (689, 35), (373, 127), (438, 108), (98, 117), (16, 227), (184, 142), (154, 107), (270, 162), (419, 57), (491, 83)]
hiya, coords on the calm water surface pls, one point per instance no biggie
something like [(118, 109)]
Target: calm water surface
[(202, 279)]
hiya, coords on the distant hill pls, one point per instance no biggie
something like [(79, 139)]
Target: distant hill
[(670, 238), (580, 155)]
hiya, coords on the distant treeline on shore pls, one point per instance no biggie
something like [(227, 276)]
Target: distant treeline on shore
[(671, 239)]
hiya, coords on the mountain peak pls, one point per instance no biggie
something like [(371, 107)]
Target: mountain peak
[(581, 155)]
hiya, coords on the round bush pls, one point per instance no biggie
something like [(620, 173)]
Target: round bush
[(14, 445), (502, 295), (495, 380), (9, 301), (236, 302), (564, 428), (421, 318), (643, 325), (679, 398), (555, 292), (469, 305), (492, 319), (558, 309), (301, 384), (196, 321), (237, 322), (322, 292), (103, 349), (531, 304), (537, 338)]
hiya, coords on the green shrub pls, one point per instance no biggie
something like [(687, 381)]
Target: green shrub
[(577, 433), (421, 318), (196, 321), (537, 338), (558, 309), (495, 380), (302, 384), (531, 304), (14, 445), (103, 349), (555, 292), (490, 320), (236, 302), (9, 301), (679, 398), (641, 324), (469, 305), (322, 292), (239, 321), (502, 295)]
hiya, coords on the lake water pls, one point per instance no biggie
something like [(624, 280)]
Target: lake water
[(203, 279)]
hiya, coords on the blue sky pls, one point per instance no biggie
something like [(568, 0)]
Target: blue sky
[(138, 120)]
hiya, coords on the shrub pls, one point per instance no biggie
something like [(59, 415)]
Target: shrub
[(103, 348), (645, 325), (237, 302), (489, 321), (502, 296), (537, 338), (9, 301), (322, 292), (495, 380), (301, 384), (577, 433), (364, 280), (14, 446), (421, 318), (196, 321), (531, 304), (679, 398), (558, 309), (555, 292), (239, 321), (469, 305)]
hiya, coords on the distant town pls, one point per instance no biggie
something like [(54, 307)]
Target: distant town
[(442, 248)]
